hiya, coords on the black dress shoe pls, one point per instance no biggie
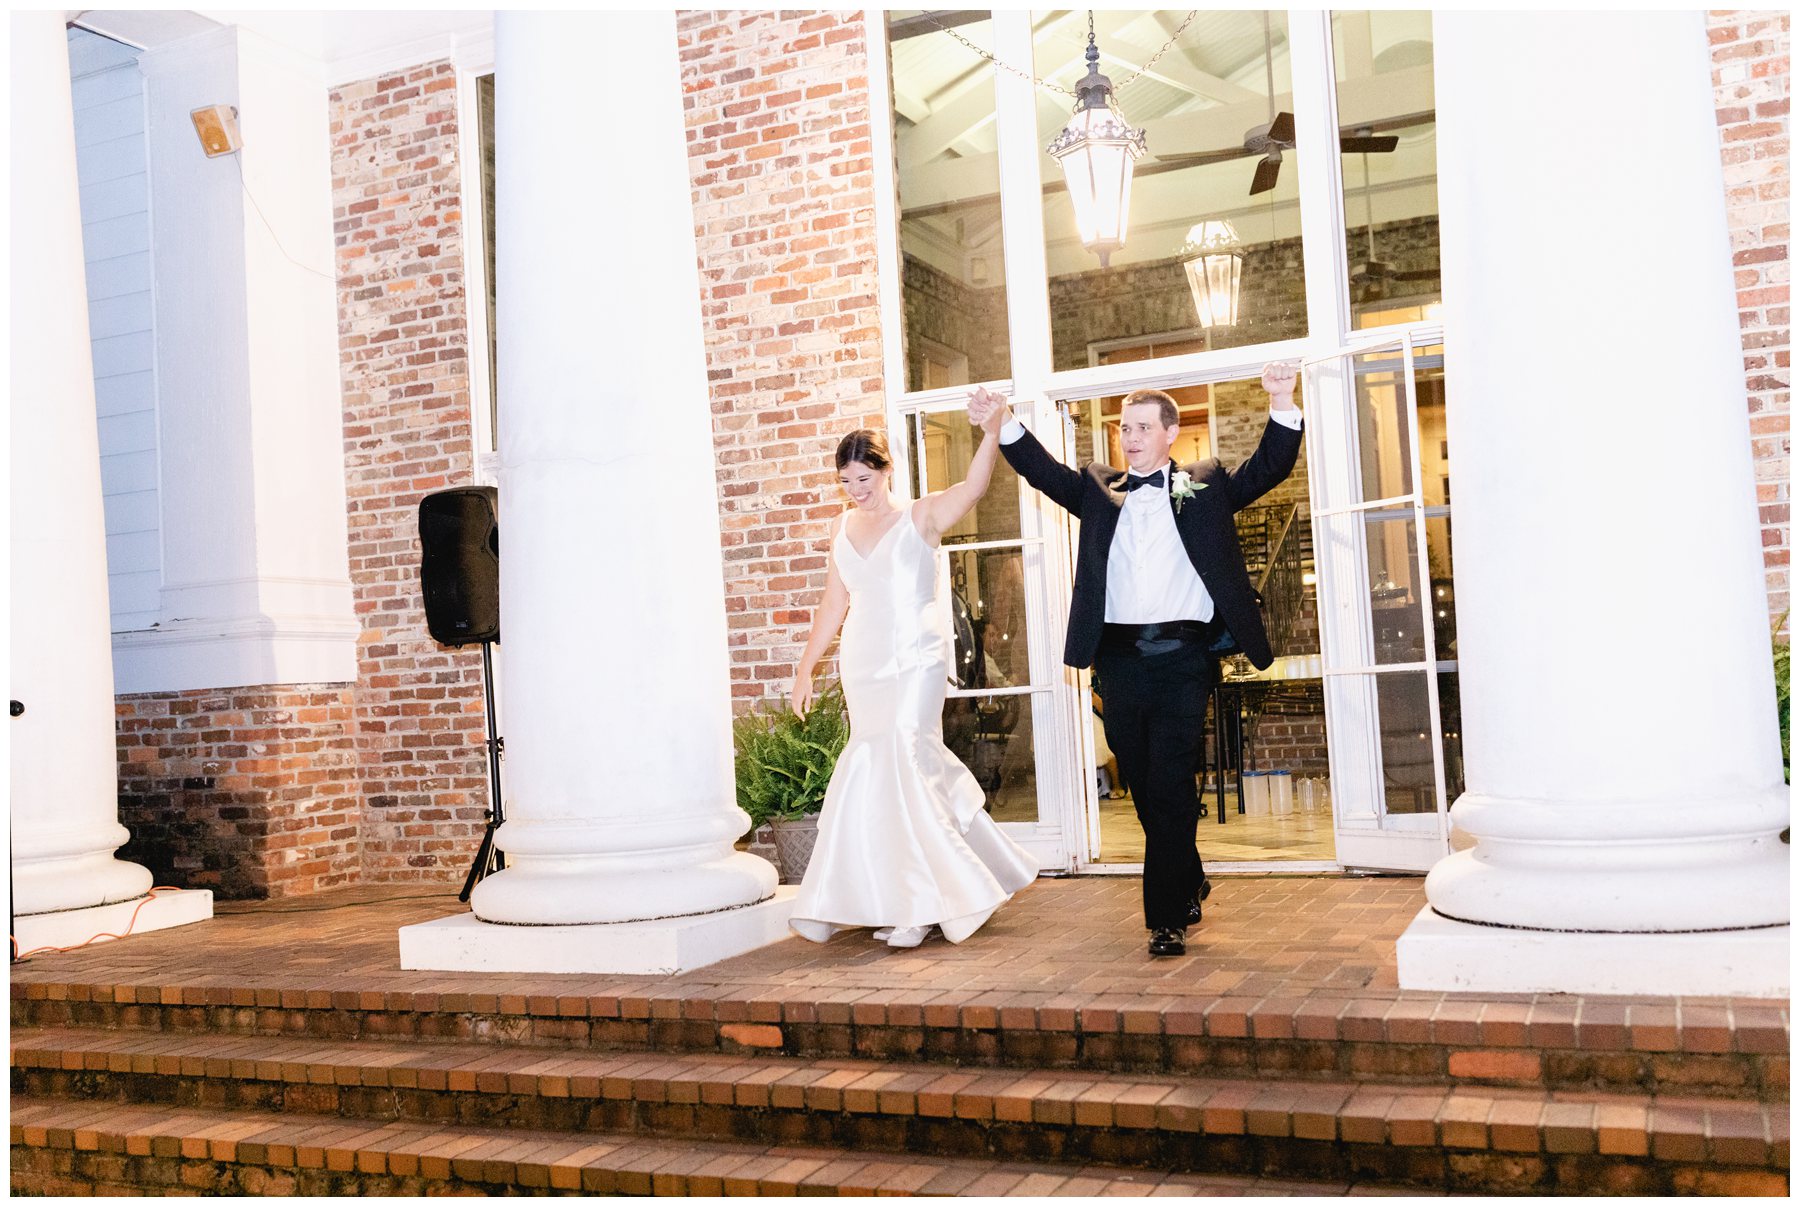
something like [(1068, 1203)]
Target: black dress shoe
[(1193, 911), (1167, 941)]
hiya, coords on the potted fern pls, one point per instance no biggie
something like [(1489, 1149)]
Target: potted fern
[(783, 764)]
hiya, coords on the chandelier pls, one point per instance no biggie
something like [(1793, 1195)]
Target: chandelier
[(1096, 150), (1213, 259)]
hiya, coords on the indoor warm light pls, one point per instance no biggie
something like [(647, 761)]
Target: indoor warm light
[(1096, 150), (1213, 259)]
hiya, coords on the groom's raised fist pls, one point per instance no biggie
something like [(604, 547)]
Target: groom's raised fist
[(1278, 379)]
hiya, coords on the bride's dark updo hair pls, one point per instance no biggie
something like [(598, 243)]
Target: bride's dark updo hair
[(865, 446)]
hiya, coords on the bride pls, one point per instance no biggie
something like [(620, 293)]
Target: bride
[(904, 843)]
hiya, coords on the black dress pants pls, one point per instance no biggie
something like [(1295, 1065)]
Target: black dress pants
[(1155, 722)]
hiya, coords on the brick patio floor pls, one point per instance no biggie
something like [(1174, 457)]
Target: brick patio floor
[(1280, 1045), (1272, 946)]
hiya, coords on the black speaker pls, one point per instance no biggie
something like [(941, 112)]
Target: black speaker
[(459, 539)]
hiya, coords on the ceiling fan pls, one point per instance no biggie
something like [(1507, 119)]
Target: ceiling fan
[(1270, 139), (1369, 283)]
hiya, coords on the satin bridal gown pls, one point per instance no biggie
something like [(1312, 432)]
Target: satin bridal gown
[(903, 838)]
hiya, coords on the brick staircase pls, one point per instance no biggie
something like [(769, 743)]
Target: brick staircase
[(709, 1090)]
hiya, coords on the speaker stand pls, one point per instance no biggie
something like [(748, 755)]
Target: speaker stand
[(489, 858)]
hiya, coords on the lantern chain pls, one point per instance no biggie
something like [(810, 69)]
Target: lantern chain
[(1026, 75)]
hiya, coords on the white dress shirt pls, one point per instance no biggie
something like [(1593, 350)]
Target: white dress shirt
[(1149, 578)]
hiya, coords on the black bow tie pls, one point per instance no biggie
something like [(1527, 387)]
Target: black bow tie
[(1132, 481)]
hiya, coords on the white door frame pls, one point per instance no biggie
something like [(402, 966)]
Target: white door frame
[(1069, 804), (1367, 836)]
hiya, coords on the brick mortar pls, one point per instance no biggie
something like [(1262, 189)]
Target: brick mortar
[(1750, 57), (250, 792), (1235, 1129), (780, 153), (403, 344), (1747, 1065)]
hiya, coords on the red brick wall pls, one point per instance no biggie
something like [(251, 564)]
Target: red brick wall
[(1750, 84), (778, 142), (403, 338), (276, 791), (250, 792)]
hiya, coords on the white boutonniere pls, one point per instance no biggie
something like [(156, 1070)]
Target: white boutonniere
[(1182, 488)]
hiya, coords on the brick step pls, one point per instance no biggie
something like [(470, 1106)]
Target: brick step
[(1451, 1138), (1736, 1050), (72, 1146)]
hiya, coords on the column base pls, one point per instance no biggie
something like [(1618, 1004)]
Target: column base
[(464, 943), (69, 927), (1436, 953)]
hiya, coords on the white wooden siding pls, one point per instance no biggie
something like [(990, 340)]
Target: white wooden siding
[(115, 218)]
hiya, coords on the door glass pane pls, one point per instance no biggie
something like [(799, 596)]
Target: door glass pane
[(1395, 588), (992, 736), (1377, 550), (953, 276), (950, 443), (1434, 436), (1388, 139), (987, 605), (1217, 112), (1383, 427), (1403, 712), (1450, 712), (1443, 585), (1409, 779)]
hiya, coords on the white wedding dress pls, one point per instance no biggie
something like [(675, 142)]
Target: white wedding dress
[(903, 838)]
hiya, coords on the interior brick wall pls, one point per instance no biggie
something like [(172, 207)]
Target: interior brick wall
[(1750, 87), (962, 318), (403, 346), (779, 146)]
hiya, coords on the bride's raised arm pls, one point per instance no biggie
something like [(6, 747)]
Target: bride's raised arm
[(940, 511)]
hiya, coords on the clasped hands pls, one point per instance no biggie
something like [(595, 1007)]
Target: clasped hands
[(988, 410)]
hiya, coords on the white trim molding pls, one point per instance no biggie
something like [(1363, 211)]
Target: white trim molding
[(472, 44), (253, 651)]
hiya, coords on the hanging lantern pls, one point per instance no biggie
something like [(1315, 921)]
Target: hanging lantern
[(1213, 258), (1096, 150)]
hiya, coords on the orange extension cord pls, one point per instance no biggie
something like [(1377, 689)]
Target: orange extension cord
[(161, 888)]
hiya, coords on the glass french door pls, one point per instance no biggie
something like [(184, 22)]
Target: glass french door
[(1380, 497), (1005, 716)]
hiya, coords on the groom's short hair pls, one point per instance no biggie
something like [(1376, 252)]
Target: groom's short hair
[(1171, 414)]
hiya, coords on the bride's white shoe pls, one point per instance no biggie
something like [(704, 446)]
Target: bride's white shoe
[(884, 932), (905, 936)]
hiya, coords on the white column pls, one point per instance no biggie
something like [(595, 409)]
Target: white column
[(618, 725), (255, 563), (1618, 713), (64, 784)]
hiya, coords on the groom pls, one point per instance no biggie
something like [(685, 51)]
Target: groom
[(1159, 583)]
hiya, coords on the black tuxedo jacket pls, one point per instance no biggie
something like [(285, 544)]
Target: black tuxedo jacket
[(1096, 493)]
